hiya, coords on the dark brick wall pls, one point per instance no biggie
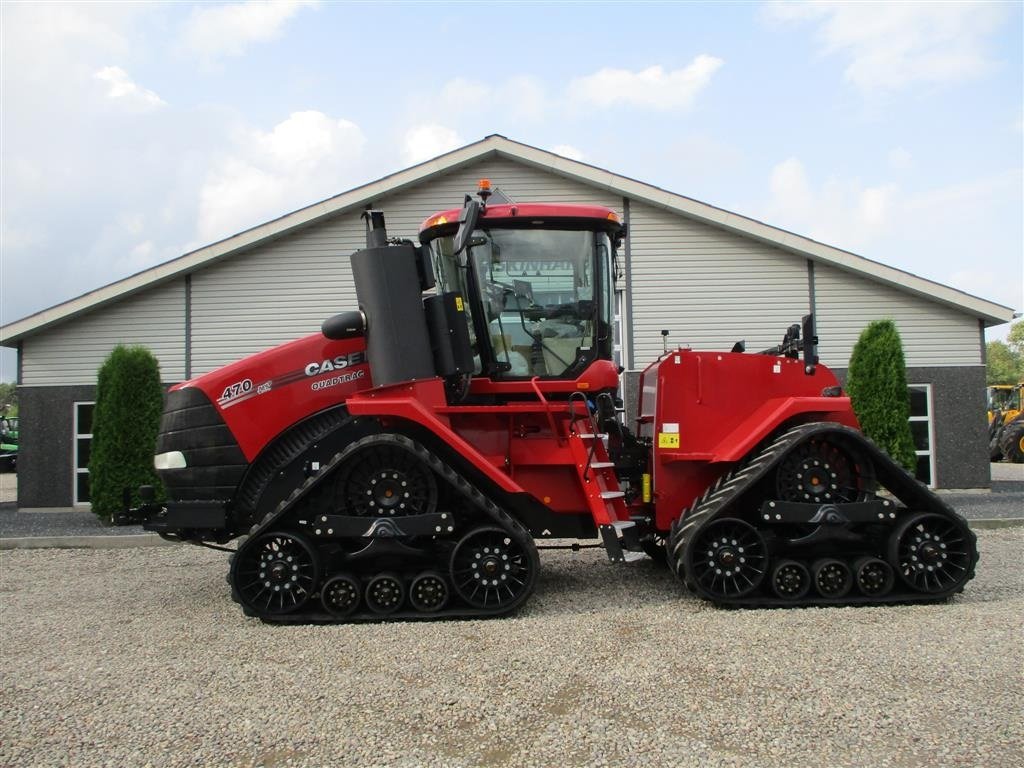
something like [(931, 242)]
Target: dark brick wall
[(960, 424), (45, 451), (958, 405)]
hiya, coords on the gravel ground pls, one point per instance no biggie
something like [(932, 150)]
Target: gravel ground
[(138, 657)]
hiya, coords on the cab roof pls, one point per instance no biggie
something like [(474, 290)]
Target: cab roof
[(521, 212)]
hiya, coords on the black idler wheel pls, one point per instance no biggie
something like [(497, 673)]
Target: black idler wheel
[(277, 574), (819, 471), (791, 580), (340, 595), (832, 578), (386, 481), (874, 577), (490, 569), (727, 559), (429, 592), (931, 553), (384, 593)]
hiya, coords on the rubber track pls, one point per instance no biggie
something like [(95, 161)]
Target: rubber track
[(466, 489), (718, 499)]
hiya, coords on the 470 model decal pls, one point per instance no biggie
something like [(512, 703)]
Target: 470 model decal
[(241, 391)]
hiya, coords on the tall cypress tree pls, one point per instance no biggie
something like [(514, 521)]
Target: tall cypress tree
[(877, 385), (126, 419)]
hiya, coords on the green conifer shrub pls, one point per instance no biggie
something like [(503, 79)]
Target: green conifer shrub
[(877, 385), (126, 419)]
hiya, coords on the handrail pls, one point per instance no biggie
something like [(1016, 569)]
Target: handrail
[(593, 429), (547, 407)]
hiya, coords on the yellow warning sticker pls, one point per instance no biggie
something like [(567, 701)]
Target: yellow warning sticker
[(668, 440), (458, 304)]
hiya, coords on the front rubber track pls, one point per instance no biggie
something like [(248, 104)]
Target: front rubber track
[(475, 506)]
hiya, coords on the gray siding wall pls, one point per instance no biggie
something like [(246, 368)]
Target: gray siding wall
[(72, 352), (932, 333), (708, 287)]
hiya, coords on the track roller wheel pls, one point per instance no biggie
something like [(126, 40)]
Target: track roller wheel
[(276, 574), (832, 578), (790, 580), (340, 595), (386, 481), (874, 577), (428, 592), (819, 471), (931, 553), (384, 593), (727, 559), (490, 569)]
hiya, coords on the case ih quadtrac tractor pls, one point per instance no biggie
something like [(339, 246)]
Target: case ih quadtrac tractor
[(404, 463)]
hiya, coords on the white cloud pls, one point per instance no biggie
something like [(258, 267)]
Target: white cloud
[(426, 141), (121, 88), (652, 87), (519, 96), (227, 30), (845, 214), (893, 45), (900, 159), (305, 158), (567, 150)]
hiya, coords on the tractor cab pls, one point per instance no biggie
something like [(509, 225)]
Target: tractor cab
[(538, 284)]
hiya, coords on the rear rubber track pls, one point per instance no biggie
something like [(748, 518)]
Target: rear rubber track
[(721, 500)]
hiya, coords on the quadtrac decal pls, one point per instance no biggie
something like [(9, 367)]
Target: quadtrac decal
[(240, 391)]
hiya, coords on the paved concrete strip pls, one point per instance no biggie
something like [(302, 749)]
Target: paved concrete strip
[(1000, 522), (85, 542)]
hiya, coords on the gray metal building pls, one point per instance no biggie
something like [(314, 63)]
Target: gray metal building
[(709, 276)]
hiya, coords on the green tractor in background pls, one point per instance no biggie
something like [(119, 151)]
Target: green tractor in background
[(8, 441), (1006, 422)]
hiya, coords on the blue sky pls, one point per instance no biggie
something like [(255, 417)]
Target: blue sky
[(134, 133)]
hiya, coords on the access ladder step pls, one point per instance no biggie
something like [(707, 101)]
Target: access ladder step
[(602, 464), (625, 548), (612, 494), (591, 435)]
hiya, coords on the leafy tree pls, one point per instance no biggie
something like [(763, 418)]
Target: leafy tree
[(1002, 364), (1015, 338), (9, 397), (877, 384), (129, 401), (1004, 360)]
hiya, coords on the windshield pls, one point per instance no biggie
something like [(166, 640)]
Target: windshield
[(534, 292)]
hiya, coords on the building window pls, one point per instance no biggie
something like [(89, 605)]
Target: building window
[(82, 449), (923, 430)]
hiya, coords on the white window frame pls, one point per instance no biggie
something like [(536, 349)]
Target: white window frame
[(619, 352), (930, 419), (75, 437)]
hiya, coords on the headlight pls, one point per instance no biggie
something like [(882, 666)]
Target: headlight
[(169, 460)]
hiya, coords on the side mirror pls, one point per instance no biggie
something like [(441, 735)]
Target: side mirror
[(467, 223)]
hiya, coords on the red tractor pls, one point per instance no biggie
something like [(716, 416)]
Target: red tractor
[(405, 462)]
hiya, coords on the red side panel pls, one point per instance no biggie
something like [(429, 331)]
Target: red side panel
[(262, 395), (712, 408)]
